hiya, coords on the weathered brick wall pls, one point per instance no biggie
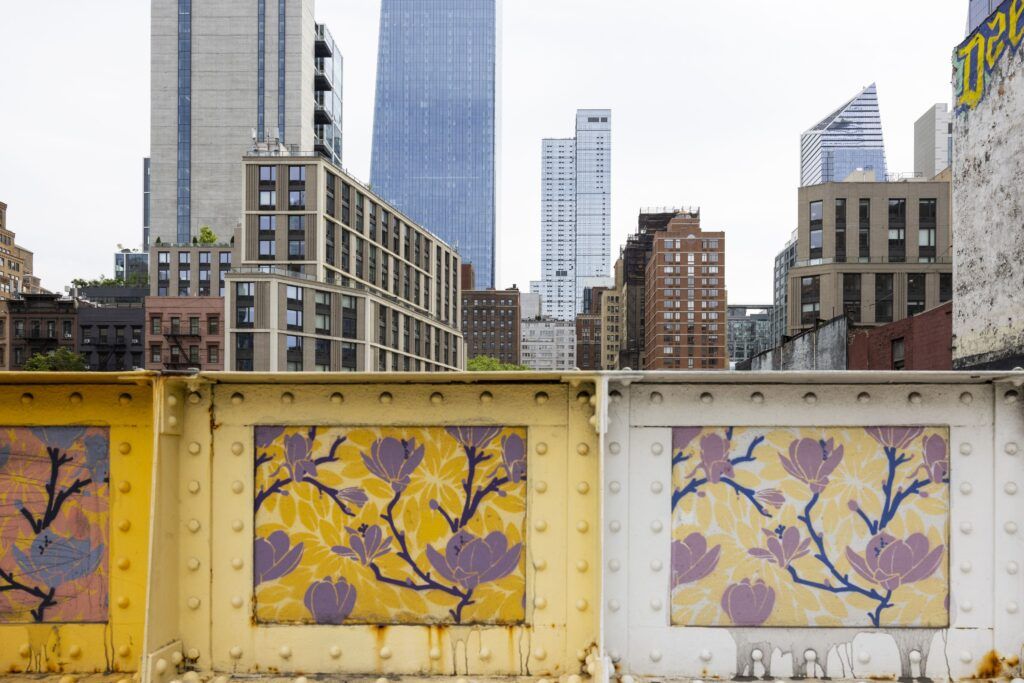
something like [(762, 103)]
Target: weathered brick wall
[(927, 339)]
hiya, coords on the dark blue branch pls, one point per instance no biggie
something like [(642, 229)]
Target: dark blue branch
[(679, 458), (691, 487), (888, 516), (871, 525), (747, 493), (749, 457)]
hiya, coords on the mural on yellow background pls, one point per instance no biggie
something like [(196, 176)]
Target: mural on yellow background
[(842, 526), (390, 525), (54, 488)]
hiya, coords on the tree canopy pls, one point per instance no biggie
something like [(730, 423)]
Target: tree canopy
[(491, 364), (206, 236), (61, 360)]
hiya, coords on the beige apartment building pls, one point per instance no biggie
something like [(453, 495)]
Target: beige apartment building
[(15, 264), (332, 278), (685, 299), (876, 251)]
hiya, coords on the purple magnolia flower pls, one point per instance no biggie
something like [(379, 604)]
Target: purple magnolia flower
[(330, 602), (748, 604), (298, 457), (476, 438), (470, 561), (394, 461), (54, 560), (936, 460), (513, 455), (691, 559), (772, 497), (891, 562), (267, 435), (714, 458), (352, 494), (365, 545), (682, 436), (811, 461), (274, 557), (897, 438), (784, 546)]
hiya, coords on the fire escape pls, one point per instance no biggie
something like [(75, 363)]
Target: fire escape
[(179, 341)]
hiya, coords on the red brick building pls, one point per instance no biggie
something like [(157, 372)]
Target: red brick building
[(685, 299), (184, 332), (920, 342)]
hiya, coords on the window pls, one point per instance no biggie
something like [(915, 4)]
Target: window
[(323, 323), (296, 249), (193, 325), (154, 353), (915, 293), (212, 324), (294, 319), (297, 199), (296, 174), (164, 257), (945, 287), (293, 344), (245, 316), (268, 249), (175, 325), (810, 300), (297, 223), (212, 354), (816, 230), (193, 355), (268, 199), (864, 231), (851, 296), (268, 174), (293, 293), (323, 298), (897, 230), (840, 230), (898, 354), (154, 324), (883, 297), (267, 224), (927, 227)]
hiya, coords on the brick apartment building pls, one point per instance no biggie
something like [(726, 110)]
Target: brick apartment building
[(685, 299), (491, 322), (39, 323)]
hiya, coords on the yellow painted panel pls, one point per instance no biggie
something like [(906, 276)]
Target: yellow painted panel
[(804, 526)]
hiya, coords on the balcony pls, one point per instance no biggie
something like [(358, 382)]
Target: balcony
[(322, 79), (171, 331), (321, 114), (324, 45)]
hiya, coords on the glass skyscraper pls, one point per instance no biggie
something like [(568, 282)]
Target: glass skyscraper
[(434, 127), (848, 139)]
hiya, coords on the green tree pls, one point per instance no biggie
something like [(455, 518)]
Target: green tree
[(61, 360), (206, 236), (491, 364)]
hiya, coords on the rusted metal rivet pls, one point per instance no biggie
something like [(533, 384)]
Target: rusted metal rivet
[(542, 448), (614, 448), (124, 524), (656, 398), (237, 448), (540, 486), (235, 652), (27, 398), (386, 397), (123, 563), (337, 398), (540, 398), (193, 563), (194, 448), (193, 487), (194, 525), (237, 486), (124, 486), (385, 652), (75, 651), (237, 563), (123, 602), (237, 398), (437, 398), (75, 398), (124, 399), (287, 398), (334, 651), (194, 397)]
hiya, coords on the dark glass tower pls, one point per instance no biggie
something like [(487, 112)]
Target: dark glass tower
[(434, 127)]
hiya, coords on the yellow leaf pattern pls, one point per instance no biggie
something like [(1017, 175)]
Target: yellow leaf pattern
[(810, 526), (390, 525)]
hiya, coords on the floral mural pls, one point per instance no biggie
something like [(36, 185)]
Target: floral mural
[(390, 525), (54, 486), (805, 526)]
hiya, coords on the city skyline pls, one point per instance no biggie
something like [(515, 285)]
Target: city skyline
[(650, 143)]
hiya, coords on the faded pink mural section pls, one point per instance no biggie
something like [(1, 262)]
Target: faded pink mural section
[(54, 507)]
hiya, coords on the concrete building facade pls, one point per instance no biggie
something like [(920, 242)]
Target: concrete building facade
[(876, 252), (331, 277), (575, 214), (933, 141), (988, 202), (685, 299), (223, 76), (549, 344)]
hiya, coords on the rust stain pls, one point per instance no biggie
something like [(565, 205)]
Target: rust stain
[(882, 678), (991, 665), (380, 632)]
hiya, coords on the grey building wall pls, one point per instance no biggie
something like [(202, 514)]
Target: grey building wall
[(823, 348), (933, 141), (224, 79), (988, 204)]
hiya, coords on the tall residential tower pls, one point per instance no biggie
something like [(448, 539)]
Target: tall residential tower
[(848, 139), (575, 215), (435, 144), (226, 75)]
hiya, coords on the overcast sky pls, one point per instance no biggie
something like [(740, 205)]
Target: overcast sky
[(709, 99)]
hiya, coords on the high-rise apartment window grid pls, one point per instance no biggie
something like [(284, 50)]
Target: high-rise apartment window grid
[(281, 36), (184, 180), (915, 293), (261, 66), (810, 300), (851, 296)]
